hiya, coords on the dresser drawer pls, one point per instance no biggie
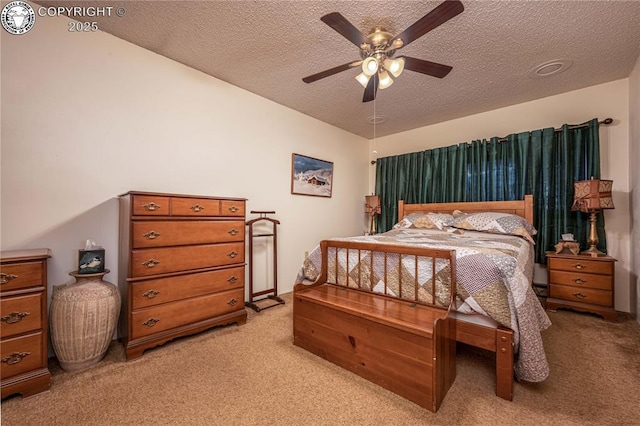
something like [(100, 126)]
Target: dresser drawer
[(171, 315), (579, 294), (145, 262), (21, 354), (178, 233), (21, 314), (232, 208), (195, 207), (21, 275), (164, 290), (581, 265), (578, 279), (150, 205)]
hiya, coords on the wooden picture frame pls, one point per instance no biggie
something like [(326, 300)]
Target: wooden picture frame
[(311, 176)]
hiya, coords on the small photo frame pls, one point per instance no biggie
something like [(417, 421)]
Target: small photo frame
[(90, 261), (311, 176)]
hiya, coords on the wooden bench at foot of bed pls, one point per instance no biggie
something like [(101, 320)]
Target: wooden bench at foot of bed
[(407, 348)]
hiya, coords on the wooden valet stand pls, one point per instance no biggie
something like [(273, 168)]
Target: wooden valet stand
[(272, 293)]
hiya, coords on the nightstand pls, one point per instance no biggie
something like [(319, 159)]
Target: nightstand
[(582, 283), (24, 326)]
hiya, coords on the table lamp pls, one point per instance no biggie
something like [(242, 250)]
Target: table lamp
[(589, 197), (372, 206)]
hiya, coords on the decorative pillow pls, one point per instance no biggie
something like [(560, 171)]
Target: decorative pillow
[(425, 221), (497, 223), (433, 221), (406, 221)]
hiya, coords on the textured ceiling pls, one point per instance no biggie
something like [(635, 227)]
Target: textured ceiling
[(266, 47)]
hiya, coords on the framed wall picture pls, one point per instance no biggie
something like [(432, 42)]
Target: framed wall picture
[(310, 176)]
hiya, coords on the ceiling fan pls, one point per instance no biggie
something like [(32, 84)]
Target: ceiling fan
[(378, 48)]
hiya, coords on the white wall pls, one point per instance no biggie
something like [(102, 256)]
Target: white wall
[(634, 160), (602, 101), (86, 117)]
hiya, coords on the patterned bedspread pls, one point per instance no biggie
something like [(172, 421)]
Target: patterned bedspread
[(494, 275)]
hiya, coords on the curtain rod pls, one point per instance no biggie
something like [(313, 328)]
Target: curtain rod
[(606, 122)]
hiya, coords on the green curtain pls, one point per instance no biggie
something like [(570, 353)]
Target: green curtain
[(431, 176), (543, 162)]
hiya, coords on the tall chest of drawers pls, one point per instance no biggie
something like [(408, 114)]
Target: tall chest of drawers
[(182, 260), (23, 301), (582, 283)]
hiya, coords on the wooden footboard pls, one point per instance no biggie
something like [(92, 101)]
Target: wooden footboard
[(405, 346)]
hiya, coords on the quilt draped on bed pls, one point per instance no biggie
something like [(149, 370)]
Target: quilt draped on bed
[(494, 275)]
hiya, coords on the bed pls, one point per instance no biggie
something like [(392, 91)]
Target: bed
[(495, 307)]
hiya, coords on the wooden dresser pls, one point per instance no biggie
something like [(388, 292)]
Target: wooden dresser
[(23, 307), (182, 260), (582, 283)]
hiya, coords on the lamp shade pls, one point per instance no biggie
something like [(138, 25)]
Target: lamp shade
[(394, 66), (593, 194), (372, 204), (370, 66), (363, 79), (385, 80)]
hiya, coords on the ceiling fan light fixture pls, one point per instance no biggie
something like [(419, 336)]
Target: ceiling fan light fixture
[(370, 66), (363, 79), (385, 80), (380, 45), (394, 66)]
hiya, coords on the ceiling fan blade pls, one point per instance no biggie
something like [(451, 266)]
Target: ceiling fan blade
[(431, 20), (345, 28), (426, 67), (330, 72), (371, 90)]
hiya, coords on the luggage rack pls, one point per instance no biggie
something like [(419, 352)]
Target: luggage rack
[(271, 293)]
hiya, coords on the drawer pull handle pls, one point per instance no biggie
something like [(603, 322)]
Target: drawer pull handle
[(14, 317), (232, 279), (197, 208), (152, 207), (233, 232), (580, 295), (233, 254), (578, 266), (151, 235), (232, 301), (151, 263), (579, 281), (151, 322), (5, 278), (150, 294), (233, 209), (15, 357)]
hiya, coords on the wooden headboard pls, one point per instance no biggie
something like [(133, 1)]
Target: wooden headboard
[(522, 208)]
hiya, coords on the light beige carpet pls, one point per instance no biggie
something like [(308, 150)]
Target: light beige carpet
[(253, 375)]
